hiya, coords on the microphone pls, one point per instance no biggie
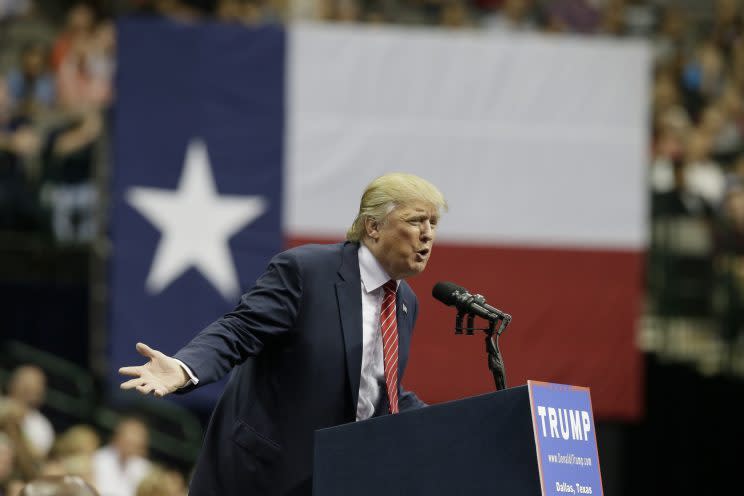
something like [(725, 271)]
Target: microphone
[(451, 294)]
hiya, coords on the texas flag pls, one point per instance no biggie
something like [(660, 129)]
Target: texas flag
[(232, 143)]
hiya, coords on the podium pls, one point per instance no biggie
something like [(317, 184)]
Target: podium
[(480, 445)]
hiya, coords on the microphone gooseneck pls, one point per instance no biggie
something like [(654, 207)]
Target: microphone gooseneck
[(456, 296)]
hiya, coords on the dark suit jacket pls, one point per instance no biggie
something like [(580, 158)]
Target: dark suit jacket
[(294, 345)]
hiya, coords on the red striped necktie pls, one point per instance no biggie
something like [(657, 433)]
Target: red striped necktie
[(389, 330)]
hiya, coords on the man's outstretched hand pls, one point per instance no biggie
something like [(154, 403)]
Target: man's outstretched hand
[(160, 375)]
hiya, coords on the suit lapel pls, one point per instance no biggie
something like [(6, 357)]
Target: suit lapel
[(349, 297), (404, 328)]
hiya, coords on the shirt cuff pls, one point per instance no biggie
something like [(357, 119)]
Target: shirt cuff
[(192, 378)]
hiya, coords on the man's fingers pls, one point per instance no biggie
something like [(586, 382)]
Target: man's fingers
[(146, 351), (131, 383), (145, 388), (133, 371), (149, 383)]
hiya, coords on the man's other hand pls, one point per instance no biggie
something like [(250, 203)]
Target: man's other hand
[(160, 375)]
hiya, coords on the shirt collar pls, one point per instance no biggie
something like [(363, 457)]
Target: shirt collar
[(372, 273)]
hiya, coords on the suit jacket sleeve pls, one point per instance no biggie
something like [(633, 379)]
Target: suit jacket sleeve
[(263, 314), (407, 400)]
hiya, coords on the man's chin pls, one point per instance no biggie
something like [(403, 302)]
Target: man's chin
[(417, 268)]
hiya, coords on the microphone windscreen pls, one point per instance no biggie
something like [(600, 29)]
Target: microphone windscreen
[(444, 292)]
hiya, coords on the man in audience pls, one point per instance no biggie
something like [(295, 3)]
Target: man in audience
[(27, 386), (119, 467), (31, 84)]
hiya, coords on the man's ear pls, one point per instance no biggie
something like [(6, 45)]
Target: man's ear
[(372, 228)]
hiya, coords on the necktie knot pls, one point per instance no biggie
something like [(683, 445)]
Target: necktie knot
[(390, 286)]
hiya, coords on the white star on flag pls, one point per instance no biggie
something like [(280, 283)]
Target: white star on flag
[(195, 224)]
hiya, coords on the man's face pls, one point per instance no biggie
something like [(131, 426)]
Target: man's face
[(131, 439), (28, 387), (33, 61), (402, 243)]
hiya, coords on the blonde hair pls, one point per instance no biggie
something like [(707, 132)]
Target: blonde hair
[(79, 439), (388, 192), (161, 482)]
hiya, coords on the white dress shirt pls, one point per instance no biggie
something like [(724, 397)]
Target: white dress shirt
[(112, 477), (39, 432), (372, 380)]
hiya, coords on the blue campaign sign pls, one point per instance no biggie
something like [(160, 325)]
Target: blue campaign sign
[(197, 178), (565, 439)]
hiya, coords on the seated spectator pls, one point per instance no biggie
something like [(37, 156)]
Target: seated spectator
[(513, 16), (680, 201), (29, 26), (74, 451), (31, 86), (731, 104), (727, 22), (25, 464), (672, 36), (20, 209), (613, 18), (702, 77), (79, 25), (84, 75), (582, 16), (639, 17), (240, 11), (725, 139), (27, 386), (730, 229), (729, 244), (672, 128), (735, 175), (77, 440), (703, 175), (120, 466), (454, 14), (162, 482), (68, 188), (58, 486)]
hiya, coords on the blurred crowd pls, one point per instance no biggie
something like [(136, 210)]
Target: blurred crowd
[(697, 173), (55, 87), (31, 449), (57, 65), (57, 60)]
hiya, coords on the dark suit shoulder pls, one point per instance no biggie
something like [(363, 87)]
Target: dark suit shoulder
[(314, 251), (323, 258)]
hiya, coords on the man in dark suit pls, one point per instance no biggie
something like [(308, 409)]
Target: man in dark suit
[(321, 340)]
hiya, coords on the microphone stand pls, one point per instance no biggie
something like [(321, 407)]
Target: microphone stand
[(495, 361)]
